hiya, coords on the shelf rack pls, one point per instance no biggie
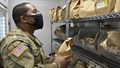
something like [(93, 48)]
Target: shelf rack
[(91, 58), (98, 61)]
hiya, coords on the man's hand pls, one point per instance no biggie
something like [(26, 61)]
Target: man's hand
[(63, 60)]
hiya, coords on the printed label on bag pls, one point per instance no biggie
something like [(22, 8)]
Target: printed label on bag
[(101, 4)]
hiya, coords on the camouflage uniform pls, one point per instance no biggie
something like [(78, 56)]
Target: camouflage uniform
[(19, 49)]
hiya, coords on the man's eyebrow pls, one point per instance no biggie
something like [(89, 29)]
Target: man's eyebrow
[(35, 10)]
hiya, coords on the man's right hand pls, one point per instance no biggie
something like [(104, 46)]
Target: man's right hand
[(62, 60)]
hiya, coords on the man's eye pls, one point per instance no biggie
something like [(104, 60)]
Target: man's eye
[(35, 11)]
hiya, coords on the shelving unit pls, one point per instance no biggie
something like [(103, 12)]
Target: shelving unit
[(86, 54), (54, 39), (89, 56)]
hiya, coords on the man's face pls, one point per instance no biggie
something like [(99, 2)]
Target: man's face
[(33, 18), (32, 11)]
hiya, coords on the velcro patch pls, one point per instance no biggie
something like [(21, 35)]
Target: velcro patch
[(19, 50)]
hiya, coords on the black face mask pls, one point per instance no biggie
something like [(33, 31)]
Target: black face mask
[(38, 21)]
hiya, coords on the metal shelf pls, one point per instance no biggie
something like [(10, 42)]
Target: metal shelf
[(58, 40), (98, 18), (61, 21), (97, 60)]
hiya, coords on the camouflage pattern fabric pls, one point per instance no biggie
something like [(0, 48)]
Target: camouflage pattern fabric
[(19, 49)]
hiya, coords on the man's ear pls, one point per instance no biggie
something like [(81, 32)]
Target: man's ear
[(22, 19)]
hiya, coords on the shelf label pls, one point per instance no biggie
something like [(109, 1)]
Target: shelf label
[(71, 24)]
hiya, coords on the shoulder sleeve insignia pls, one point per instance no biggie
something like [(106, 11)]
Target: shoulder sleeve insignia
[(19, 50)]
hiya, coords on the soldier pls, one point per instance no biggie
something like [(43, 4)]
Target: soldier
[(20, 48)]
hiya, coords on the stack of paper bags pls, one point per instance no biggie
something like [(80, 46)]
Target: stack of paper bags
[(62, 13), (65, 48), (117, 6), (52, 11), (74, 9)]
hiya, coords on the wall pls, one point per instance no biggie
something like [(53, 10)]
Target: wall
[(43, 6), (63, 2)]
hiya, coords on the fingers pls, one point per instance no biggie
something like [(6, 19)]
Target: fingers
[(67, 57)]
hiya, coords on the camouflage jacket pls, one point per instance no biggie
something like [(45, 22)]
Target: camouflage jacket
[(19, 49)]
